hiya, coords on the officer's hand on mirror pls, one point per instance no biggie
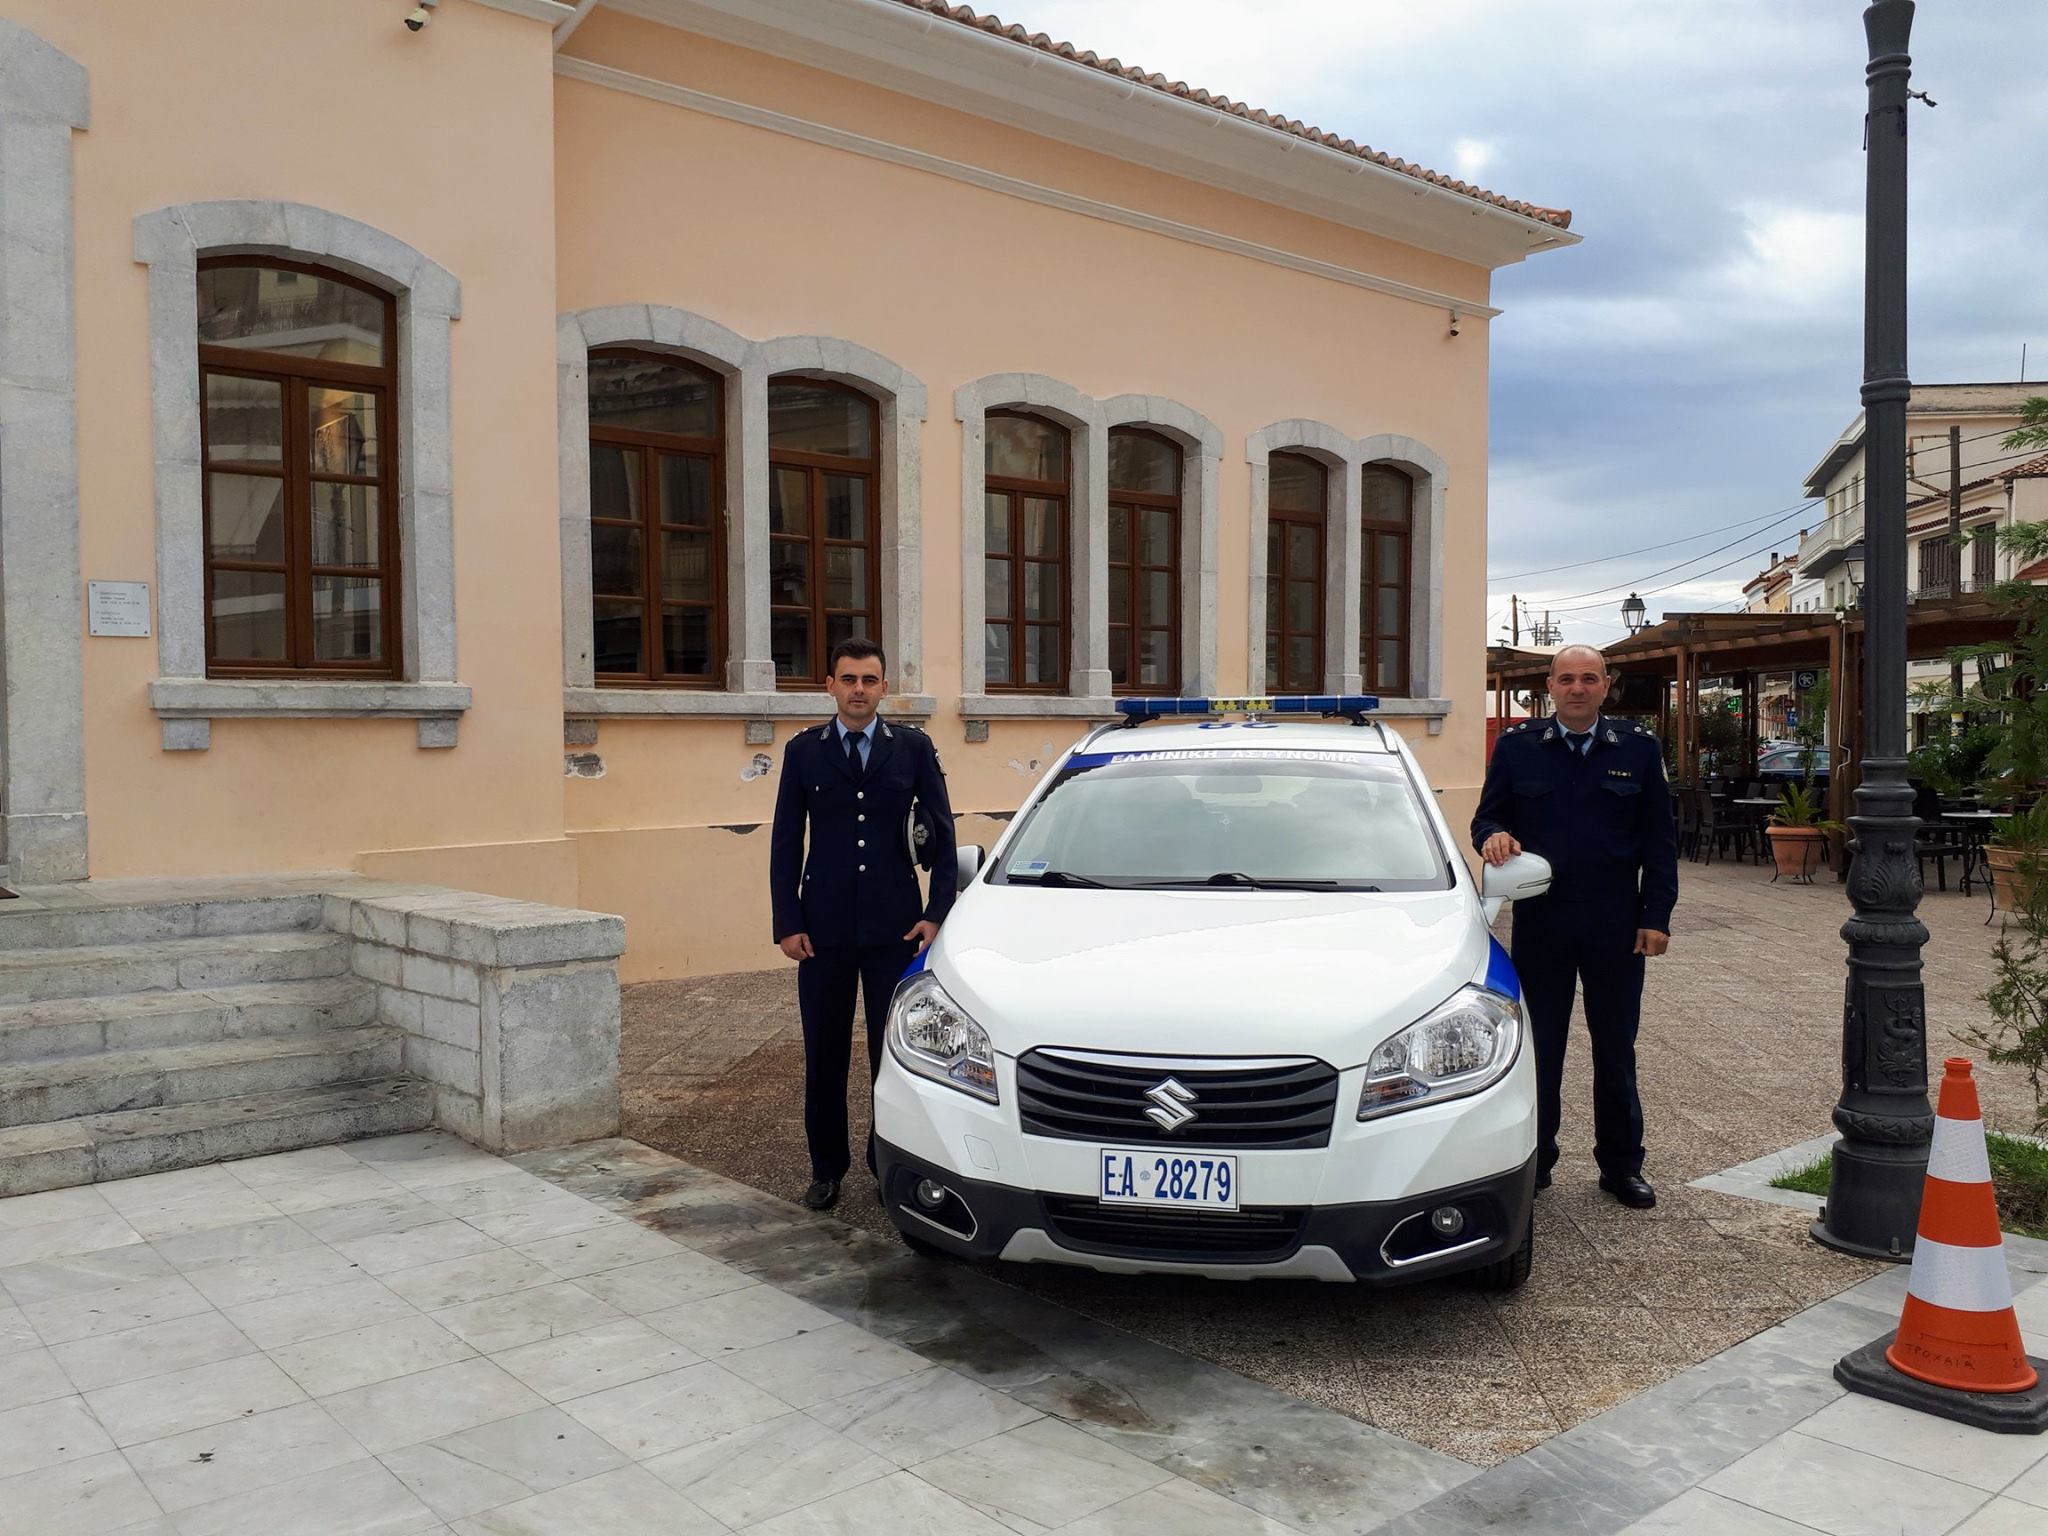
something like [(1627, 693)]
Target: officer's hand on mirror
[(798, 946), (1499, 848), (1650, 942), (924, 933)]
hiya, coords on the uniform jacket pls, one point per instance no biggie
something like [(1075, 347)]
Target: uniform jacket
[(858, 884), (1603, 820)]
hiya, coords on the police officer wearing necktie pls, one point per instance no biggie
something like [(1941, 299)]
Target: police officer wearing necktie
[(850, 914), (1589, 795)]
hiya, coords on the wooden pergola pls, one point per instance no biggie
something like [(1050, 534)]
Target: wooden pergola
[(1687, 650)]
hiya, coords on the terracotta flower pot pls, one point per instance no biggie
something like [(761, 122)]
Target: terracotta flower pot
[(2010, 884), (1796, 850)]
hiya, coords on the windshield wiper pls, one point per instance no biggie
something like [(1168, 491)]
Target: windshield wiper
[(1054, 877), (1242, 881)]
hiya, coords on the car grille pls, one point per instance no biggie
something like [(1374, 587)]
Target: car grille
[(1189, 1237), (1077, 1097)]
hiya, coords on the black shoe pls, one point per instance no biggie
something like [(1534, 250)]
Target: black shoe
[(822, 1195), (1543, 1178), (1631, 1189)]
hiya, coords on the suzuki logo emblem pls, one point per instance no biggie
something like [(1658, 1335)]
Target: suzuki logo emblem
[(1170, 1105)]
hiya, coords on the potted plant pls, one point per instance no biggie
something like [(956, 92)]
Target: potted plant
[(2015, 853), (1796, 831)]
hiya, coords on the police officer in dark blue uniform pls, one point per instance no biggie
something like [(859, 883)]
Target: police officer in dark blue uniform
[(1588, 794), (850, 915)]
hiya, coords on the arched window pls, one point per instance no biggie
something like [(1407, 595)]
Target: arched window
[(1296, 502), (1025, 496), (822, 566), (299, 448), (1386, 548), (1144, 561), (656, 545)]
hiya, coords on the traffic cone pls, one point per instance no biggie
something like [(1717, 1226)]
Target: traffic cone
[(1957, 1352)]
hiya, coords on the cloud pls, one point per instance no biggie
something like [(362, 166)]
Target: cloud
[(1684, 367), (1471, 157)]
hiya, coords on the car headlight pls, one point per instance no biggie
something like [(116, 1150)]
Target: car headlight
[(1461, 1047), (931, 1036)]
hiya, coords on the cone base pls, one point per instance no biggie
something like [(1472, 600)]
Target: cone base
[(2008, 1413)]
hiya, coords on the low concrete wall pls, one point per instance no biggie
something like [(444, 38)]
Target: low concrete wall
[(510, 1008)]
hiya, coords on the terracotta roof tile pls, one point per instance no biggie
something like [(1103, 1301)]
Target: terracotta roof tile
[(2033, 571), (2027, 469), (966, 16)]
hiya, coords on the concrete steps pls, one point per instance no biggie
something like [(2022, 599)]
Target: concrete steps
[(112, 1081), (75, 1026), (61, 1153), (138, 1036)]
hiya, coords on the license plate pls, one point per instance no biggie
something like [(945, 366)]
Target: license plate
[(1205, 1181)]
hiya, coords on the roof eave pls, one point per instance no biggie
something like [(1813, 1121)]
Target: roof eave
[(904, 49)]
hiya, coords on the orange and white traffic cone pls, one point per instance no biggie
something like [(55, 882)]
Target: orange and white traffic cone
[(1957, 1352)]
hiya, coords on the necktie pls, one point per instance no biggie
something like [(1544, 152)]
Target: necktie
[(1581, 741), (853, 741)]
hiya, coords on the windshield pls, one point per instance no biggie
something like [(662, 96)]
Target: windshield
[(1303, 820)]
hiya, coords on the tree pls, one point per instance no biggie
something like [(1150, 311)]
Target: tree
[(2033, 430)]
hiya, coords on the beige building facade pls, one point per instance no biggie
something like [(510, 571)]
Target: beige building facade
[(458, 472)]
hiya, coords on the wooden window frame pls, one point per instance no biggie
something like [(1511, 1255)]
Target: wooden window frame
[(1370, 577), (294, 377), (1132, 572), (652, 447), (1015, 488), (817, 467), (1278, 632)]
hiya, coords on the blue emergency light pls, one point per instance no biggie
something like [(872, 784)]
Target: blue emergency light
[(1286, 704)]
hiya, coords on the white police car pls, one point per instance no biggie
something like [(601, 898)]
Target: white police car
[(1222, 1002)]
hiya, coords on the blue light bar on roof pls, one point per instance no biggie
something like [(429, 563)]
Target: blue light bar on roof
[(1286, 704)]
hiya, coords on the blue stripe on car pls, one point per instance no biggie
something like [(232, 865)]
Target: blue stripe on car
[(1500, 970), (917, 963)]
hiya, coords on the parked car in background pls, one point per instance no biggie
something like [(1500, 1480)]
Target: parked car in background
[(1786, 762)]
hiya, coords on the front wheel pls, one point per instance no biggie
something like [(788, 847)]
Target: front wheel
[(1510, 1271)]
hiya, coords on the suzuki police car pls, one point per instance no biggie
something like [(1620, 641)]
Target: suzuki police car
[(1223, 1002)]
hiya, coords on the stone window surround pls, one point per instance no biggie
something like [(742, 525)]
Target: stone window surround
[(170, 242), (1089, 421), (42, 754), (1346, 457), (750, 691)]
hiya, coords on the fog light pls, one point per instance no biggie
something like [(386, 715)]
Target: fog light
[(930, 1195), (1448, 1220)]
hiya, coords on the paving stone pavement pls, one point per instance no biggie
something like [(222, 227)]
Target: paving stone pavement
[(217, 1351), (1739, 1057)]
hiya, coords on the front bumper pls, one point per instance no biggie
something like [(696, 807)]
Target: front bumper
[(1379, 1242)]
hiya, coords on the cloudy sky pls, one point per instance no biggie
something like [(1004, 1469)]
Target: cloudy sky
[(1681, 370)]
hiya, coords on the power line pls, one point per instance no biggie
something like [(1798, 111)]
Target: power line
[(1635, 585), (1704, 533), (1785, 515)]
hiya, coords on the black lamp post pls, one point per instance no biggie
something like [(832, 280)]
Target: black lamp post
[(1886, 1122), (1633, 613)]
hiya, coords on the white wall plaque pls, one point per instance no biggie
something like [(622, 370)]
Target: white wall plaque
[(117, 608)]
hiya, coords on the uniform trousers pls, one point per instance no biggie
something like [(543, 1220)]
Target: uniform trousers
[(825, 985), (1587, 947)]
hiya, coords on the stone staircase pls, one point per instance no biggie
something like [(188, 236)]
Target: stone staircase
[(160, 1034)]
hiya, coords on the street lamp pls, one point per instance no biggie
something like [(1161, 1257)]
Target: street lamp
[(1885, 1119), (1633, 613)]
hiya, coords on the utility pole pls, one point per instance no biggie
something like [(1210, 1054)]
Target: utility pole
[(1884, 1116), (1955, 554), (1514, 620)]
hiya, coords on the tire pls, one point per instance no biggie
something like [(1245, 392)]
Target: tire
[(1510, 1271)]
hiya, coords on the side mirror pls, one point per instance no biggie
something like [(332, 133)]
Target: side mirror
[(1523, 876), (967, 861)]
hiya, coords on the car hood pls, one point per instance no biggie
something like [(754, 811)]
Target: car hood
[(1222, 973)]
